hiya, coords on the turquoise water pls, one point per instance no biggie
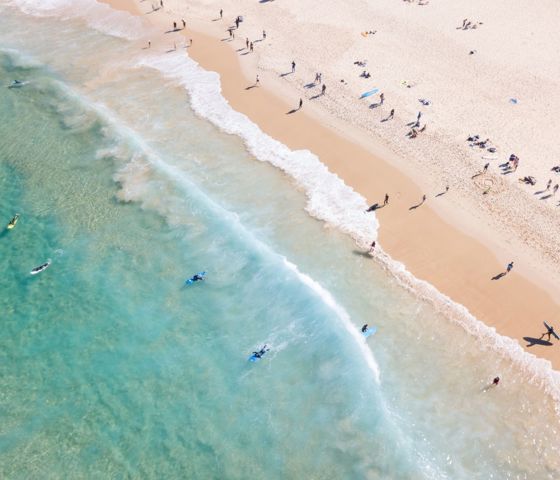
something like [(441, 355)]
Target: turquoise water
[(112, 368)]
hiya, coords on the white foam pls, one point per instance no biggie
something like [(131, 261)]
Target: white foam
[(99, 16), (329, 198), (342, 314)]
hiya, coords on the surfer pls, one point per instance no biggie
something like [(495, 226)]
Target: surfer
[(261, 352), (197, 277), (13, 221), (365, 327), (549, 331)]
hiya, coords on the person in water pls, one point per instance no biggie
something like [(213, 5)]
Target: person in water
[(197, 277), (261, 352), (364, 328)]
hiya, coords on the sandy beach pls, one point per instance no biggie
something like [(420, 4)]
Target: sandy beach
[(457, 241)]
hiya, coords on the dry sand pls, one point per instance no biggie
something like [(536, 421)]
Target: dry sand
[(457, 241)]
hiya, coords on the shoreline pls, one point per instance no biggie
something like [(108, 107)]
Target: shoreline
[(509, 305)]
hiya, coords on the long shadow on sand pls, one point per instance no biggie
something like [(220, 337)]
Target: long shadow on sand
[(536, 341), (361, 253)]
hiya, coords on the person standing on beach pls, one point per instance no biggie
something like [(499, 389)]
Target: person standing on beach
[(174, 25), (509, 267), (251, 46), (293, 66), (386, 200), (300, 103), (184, 23), (323, 89), (391, 114), (221, 13), (485, 169), (381, 99), (149, 44), (264, 35), (372, 247), (161, 3), (247, 43), (237, 22), (257, 81)]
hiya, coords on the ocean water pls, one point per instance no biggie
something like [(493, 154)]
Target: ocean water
[(112, 368)]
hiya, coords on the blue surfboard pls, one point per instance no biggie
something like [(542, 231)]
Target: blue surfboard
[(369, 332), (192, 280), (254, 358), (371, 92)]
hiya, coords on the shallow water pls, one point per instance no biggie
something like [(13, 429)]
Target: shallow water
[(112, 367)]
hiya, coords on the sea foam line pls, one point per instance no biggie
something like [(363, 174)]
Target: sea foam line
[(328, 197)]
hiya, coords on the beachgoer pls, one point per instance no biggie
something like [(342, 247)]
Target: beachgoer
[(161, 3), (247, 43), (554, 189), (293, 66), (549, 331), (251, 46), (237, 22), (423, 198), (323, 89), (381, 99), (184, 23), (264, 35), (509, 267), (496, 381), (418, 117), (300, 103), (221, 13), (230, 31), (372, 247), (364, 328), (190, 42), (391, 114), (174, 25), (485, 167), (386, 200), (149, 44), (257, 81)]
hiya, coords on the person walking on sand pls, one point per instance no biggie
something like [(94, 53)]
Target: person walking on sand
[(251, 46), (485, 169), (386, 200), (237, 22), (257, 81), (264, 35), (174, 25), (247, 43), (293, 66), (549, 331), (300, 103), (221, 13), (509, 267), (184, 23), (323, 89), (372, 247), (381, 99)]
